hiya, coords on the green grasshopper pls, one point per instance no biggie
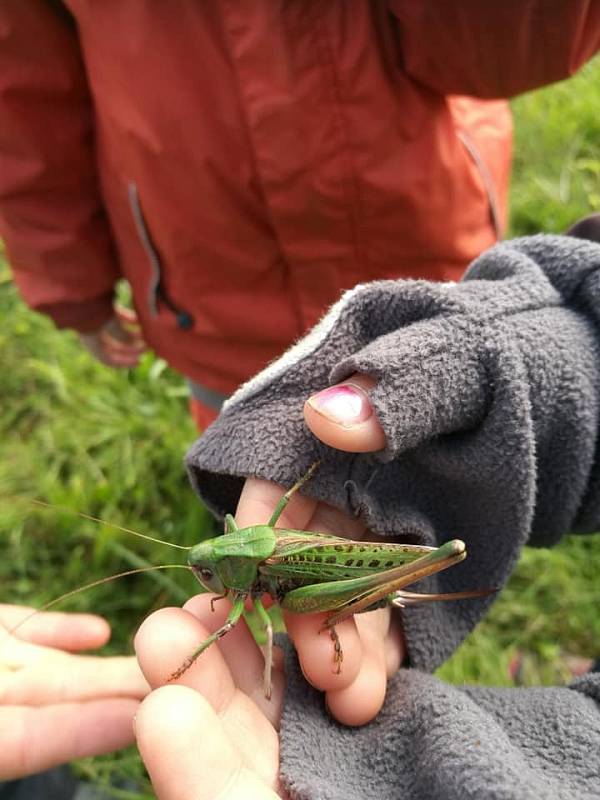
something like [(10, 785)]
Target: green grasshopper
[(307, 572), (304, 572)]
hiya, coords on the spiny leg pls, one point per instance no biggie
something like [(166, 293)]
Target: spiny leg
[(402, 598), (338, 653), (289, 494), (231, 621), (268, 648)]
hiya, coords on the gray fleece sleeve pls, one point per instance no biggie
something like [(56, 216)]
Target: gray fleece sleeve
[(433, 741), (488, 393)]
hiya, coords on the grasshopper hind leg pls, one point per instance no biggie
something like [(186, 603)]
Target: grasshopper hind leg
[(338, 653)]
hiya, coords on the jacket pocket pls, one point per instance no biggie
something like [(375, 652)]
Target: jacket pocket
[(486, 179), (156, 289)]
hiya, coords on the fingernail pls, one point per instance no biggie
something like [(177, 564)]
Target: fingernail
[(344, 404)]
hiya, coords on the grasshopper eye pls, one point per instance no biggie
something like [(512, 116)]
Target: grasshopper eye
[(209, 579)]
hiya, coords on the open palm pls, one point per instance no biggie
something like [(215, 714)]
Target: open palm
[(57, 705)]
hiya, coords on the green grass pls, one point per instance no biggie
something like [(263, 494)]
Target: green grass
[(556, 175), (109, 443)]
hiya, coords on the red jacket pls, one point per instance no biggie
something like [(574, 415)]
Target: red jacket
[(241, 162)]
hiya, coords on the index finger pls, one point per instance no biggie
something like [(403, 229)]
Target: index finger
[(54, 629)]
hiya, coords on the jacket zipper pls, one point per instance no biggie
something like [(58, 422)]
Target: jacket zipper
[(156, 290), (486, 178)]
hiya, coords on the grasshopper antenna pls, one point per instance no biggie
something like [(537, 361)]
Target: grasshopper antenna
[(110, 525), (91, 585)]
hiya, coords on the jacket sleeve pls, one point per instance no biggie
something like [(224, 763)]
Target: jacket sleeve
[(489, 395), (492, 50), (51, 216)]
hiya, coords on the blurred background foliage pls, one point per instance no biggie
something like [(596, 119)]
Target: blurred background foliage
[(111, 444)]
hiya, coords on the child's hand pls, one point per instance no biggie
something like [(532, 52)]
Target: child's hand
[(211, 733), (118, 343), (54, 705), (373, 644)]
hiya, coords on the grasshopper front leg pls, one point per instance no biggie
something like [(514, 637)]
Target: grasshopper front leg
[(231, 621), (285, 499)]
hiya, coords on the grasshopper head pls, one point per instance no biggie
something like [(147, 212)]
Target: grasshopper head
[(203, 563)]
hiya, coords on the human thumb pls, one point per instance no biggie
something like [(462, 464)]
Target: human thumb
[(342, 416)]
